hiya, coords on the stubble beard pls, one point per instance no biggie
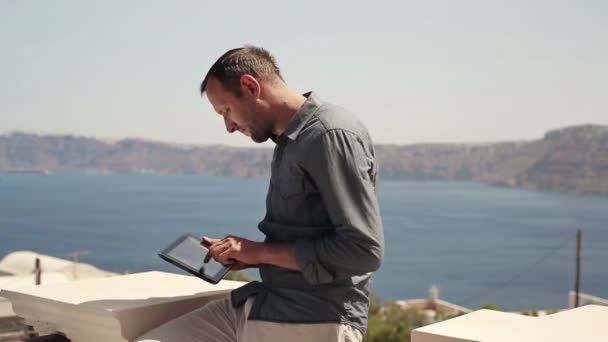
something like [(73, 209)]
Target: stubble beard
[(259, 131)]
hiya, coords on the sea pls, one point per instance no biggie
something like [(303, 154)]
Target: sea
[(477, 243)]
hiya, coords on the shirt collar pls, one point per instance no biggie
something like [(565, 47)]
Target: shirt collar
[(301, 117)]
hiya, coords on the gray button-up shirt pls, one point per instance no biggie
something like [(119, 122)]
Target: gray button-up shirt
[(322, 198)]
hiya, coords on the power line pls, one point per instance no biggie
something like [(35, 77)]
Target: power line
[(523, 271)]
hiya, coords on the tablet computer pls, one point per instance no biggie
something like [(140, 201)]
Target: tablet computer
[(188, 254)]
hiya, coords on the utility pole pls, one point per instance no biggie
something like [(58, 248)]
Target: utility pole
[(37, 271), (577, 281), (75, 257)]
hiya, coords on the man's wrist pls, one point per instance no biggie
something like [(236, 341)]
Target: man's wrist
[(277, 254), (260, 255)]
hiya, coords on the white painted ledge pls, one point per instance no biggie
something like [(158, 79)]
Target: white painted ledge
[(586, 323), (110, 309)]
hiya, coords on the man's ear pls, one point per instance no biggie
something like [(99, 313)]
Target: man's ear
[(250, 85)]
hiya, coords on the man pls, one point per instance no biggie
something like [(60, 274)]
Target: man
[(322, 225)]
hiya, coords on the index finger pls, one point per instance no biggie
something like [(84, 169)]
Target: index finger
[(207, 241)]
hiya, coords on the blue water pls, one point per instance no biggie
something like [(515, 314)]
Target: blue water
[(477, 243)]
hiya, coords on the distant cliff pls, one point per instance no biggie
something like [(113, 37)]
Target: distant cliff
[(569, 159), (71, 153)]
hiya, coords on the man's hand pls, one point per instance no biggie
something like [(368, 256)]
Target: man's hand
[(239, 252), (237, 266), (243, 253)]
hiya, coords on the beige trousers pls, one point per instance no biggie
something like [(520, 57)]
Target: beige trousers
[(218, 321)]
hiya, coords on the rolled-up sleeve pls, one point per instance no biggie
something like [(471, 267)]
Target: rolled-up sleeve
[(342, 166)]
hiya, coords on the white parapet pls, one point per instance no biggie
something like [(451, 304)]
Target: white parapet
[(21, 263), (110, 309), (586, 323), (584, 299)]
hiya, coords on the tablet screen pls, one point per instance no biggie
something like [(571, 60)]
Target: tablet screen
[(191, 253)]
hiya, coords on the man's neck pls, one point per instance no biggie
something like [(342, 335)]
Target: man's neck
[(288, 103)]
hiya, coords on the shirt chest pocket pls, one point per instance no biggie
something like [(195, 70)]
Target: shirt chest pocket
[(291, 186), (297, 200), (293, 183)]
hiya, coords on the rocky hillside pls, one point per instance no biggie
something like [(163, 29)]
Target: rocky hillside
[(568, 159), (20, 151)]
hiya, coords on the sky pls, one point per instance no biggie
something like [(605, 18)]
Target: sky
[(412, 71)]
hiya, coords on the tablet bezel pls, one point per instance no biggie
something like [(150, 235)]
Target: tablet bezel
[(164, 254)]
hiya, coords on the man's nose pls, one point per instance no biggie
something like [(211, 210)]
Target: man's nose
[(230, 126)]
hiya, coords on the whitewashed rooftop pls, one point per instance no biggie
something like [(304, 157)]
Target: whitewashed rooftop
[(110, 309), (586, 323)]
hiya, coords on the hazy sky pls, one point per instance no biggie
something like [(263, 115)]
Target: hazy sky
[(413, 71)]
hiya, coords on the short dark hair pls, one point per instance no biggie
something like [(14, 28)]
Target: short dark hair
[(247, 60)]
